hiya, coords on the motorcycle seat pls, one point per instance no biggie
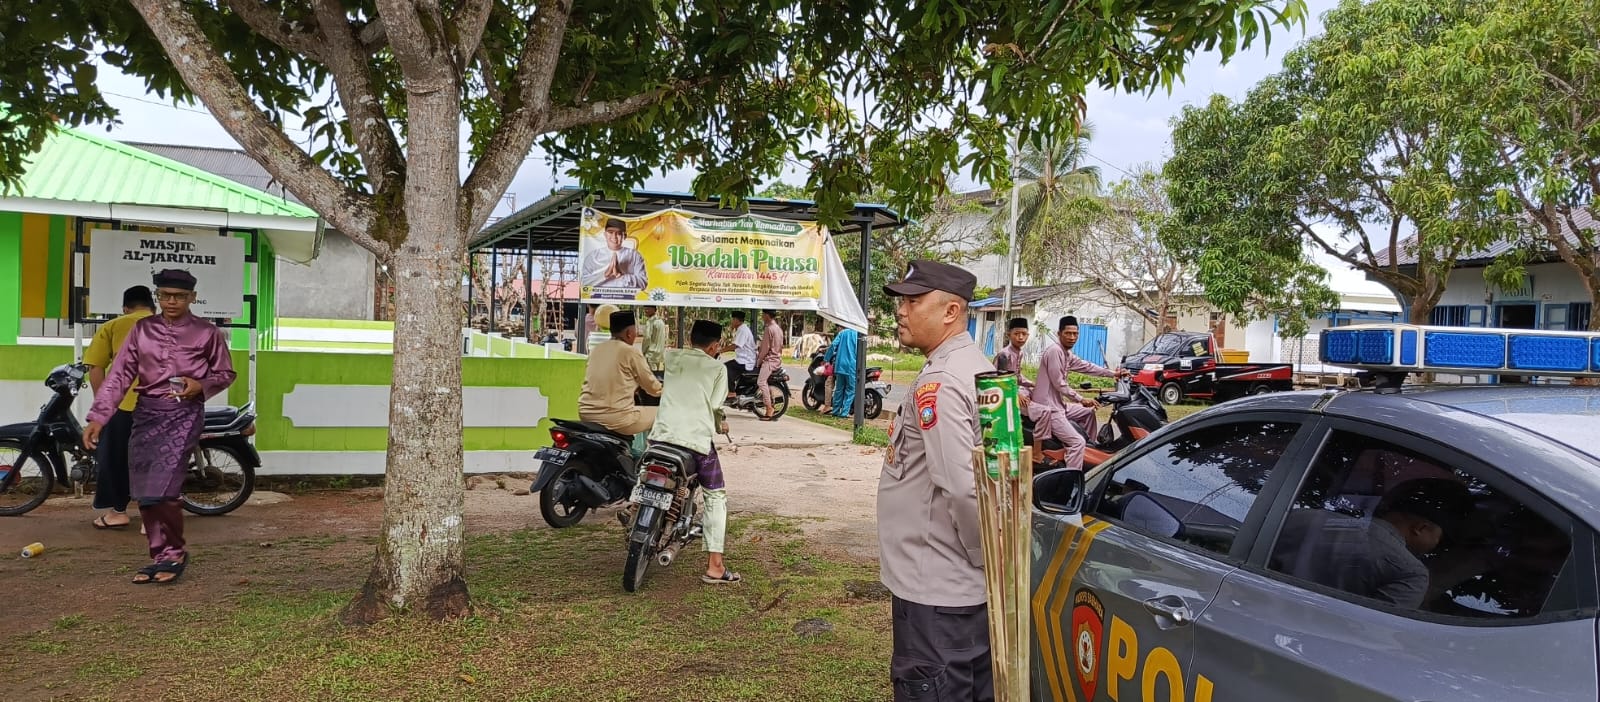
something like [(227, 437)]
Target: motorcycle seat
[(221, 415), (590, 427), (676, 454)]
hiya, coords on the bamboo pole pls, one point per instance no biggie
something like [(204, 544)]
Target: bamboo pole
[(1005, 515)]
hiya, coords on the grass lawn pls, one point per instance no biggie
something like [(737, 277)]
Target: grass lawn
[(872, 433), (551, 622)]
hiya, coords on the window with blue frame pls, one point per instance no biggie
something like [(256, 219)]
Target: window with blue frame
[(1567, 316), (1448, 316)]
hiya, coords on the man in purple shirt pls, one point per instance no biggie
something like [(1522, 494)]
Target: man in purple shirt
[(769, 357), (1054, 390), (1049, 421), (179, 361)]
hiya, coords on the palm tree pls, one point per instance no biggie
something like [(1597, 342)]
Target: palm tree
[(1050, 174)]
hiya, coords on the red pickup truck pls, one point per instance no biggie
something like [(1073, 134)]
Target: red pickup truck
[(1184, 364)]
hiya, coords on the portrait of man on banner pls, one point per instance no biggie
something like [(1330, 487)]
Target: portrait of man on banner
[(615, 269)]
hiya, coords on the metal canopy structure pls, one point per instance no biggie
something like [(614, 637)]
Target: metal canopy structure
[(551, 224)]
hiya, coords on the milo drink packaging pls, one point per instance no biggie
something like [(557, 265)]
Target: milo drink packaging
[(1000, 420)]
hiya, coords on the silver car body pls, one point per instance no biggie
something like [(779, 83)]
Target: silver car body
[(1122, 614)]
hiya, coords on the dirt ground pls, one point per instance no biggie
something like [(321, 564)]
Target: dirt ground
[(808, 474)]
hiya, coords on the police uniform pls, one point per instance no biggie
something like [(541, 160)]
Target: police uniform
[(931, 550)]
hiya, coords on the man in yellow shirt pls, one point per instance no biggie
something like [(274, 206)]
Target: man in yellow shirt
[(111, 491), (617, 369)]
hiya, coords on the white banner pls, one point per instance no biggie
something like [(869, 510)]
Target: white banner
[(119, 260)]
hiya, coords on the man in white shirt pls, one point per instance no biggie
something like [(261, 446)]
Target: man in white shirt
[(744, 351)]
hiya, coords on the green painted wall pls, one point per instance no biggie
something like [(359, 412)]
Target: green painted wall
[(10, 270), (279, 372)]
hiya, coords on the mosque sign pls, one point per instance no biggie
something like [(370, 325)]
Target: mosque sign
[(121, 259)]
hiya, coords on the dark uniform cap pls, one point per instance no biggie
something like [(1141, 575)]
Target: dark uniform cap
[(1017, 323), (927, 276), (1067, 321), (621, 320), (174, 279)]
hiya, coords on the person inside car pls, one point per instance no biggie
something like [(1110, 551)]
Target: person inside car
[(1379, 558)]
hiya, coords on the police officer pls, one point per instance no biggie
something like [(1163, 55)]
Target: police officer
[(931, 552)]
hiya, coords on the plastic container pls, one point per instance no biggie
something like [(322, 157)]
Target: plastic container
[(1235, 356)]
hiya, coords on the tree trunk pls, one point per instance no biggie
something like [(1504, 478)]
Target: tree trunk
[(419, 559)]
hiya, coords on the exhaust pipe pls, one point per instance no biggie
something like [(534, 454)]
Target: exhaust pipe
[(664, 558)]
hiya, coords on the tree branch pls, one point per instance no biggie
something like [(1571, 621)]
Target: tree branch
[(358, 93), (280, 30), (373, 35), (471, 20), (527, 118), (204, 71), (602, 112)]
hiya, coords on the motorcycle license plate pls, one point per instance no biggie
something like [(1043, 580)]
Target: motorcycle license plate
[(553, 456), (652, 497)]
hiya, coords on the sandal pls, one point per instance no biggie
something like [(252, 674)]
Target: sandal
[(728, 578), (173, 567), (148, 573), (101, 523)]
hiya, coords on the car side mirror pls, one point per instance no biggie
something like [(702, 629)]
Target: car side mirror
[(1059, 491), (1141, 510)]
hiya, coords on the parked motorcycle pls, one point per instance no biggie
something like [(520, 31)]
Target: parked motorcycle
[(814, 394), (668, 517), (747, 397), (36, 455), (587, 468), (1135, 413)]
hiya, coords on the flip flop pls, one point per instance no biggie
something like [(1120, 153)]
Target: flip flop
[(728, 578), (101, 523), (149, 573)]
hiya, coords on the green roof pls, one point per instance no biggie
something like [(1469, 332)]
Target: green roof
[(75, 166)]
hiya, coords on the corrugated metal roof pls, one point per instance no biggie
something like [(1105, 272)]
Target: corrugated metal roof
[(233, 164), (1585, 219), (75, 166), (1020, 295)]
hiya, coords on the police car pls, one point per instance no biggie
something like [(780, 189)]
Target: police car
[(1390, 543)]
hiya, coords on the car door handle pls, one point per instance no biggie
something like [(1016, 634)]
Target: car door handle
[(1171, 606)]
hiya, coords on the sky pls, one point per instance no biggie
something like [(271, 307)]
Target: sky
[(1129, 130)]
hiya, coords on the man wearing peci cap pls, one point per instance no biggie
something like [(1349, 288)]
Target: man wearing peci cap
[(691, 413), (615, 371), (1055, 390), (931, 549), (1049, 421), (178, 362)]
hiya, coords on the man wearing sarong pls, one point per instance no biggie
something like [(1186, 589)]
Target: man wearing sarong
[(691, 411), (1049, 420), (769, 358), (178, 361), (111, 460), (1058, 361)]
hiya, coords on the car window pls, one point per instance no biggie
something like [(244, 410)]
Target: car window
[(1198, 487), (1385, 523)]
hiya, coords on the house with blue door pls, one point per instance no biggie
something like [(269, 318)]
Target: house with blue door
[(1552, 295)]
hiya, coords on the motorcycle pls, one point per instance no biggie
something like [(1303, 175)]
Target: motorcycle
[(220, 476), (1135, 413), (746, 396), (587, 467), (667, 517), (814, 394)]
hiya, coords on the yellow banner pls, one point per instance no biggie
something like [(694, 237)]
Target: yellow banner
[(674, 257)]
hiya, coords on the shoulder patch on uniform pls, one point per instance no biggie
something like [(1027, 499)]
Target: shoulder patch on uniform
[(927, 399)]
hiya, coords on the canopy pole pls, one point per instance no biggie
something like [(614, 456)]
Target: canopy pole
[(527, 297), (677, 313), (494, 289), (472, 270), (1011, 228), (861, 348)]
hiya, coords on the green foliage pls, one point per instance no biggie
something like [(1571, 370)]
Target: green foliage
[(894, 95), (1341, 153)]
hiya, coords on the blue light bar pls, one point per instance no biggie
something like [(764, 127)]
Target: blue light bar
[(1422, 349)]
